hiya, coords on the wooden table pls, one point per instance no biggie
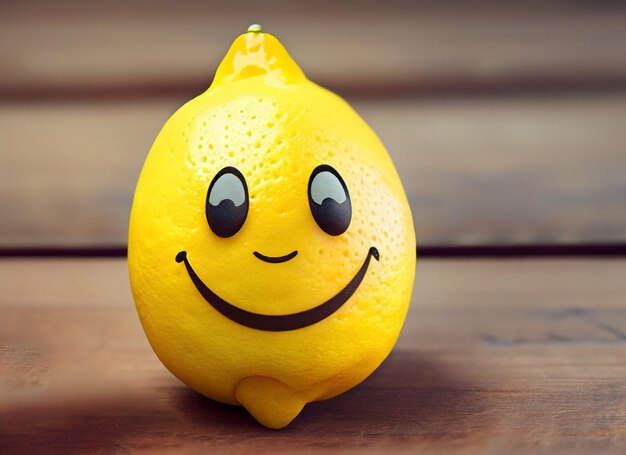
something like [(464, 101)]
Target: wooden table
[(496, 356)]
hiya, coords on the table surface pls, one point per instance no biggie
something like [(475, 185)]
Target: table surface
[(496, 356)]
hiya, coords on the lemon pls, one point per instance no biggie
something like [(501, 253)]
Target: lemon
[(271, 247)]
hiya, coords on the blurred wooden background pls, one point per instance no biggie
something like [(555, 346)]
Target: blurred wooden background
[(507, 121)]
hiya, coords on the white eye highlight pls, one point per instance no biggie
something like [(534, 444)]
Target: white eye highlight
[(227, 187), (325, 185)]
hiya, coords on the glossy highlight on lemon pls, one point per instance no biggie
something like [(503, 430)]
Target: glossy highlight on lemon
[(271, 247)]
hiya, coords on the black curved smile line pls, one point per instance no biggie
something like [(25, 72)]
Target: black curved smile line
[(278, 323), (276, 259)]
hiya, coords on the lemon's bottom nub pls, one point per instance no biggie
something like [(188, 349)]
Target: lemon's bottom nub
[(271, 402)]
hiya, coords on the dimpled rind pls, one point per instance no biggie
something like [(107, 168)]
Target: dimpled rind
[(275, 127)]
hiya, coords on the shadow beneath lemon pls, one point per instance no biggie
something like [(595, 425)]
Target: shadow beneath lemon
[(409, 399), (407, 396)]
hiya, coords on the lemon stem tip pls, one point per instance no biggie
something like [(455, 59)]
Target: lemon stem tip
[(255, 28)]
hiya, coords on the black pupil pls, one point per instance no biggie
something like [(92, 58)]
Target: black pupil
[(329, 200), (227, 202)]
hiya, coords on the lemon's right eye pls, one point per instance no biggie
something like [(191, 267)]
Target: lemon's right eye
[(227, 202), (329, 200)]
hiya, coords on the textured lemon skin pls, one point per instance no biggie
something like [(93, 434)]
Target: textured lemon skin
[(275, 135)]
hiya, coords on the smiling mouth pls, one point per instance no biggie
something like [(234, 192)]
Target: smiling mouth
[(279, 323), (276, 259)]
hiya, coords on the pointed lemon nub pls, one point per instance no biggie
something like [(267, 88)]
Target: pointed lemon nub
[(258, 54)]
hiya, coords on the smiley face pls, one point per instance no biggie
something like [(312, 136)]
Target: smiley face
[(227, 206)]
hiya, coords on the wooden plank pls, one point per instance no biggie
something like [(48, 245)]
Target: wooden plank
[(495, 356), (140, 46), (501, 171), (505, 170)]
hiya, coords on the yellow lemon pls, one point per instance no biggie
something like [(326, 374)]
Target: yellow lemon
[(271, 246)]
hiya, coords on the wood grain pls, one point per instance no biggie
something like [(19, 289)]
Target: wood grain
[(476, 171), (355, 47), (495, 357)]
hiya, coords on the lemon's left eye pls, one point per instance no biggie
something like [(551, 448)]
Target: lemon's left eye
[(227, 202)]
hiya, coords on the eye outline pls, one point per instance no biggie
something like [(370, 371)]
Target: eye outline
[(327, 168), (246, 201)]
